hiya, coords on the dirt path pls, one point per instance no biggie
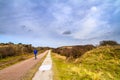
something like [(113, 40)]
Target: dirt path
[(45, 70), (17, 71)]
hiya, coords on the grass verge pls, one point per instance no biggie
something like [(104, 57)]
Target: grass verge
[(102, 63), (62, 69)]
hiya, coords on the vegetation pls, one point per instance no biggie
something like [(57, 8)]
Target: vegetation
[(62, 69), (101, 63), (10, 49), (73, 51), (109, 42)]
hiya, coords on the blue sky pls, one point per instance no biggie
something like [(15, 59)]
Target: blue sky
[(59, 22)]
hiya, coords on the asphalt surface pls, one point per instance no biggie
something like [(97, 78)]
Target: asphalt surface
[(17, 71)]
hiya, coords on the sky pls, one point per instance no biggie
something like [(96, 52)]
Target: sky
[(55, 23)]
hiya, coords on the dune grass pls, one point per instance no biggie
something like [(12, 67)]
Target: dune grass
[(62, 69), (102, 63)]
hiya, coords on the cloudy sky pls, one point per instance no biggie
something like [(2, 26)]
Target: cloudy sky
[(59, 22)]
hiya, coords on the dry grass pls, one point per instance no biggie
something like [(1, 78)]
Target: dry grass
[(59, 56), (14, 50), (102, 63)]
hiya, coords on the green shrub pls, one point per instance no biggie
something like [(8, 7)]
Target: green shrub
[(109, 42)]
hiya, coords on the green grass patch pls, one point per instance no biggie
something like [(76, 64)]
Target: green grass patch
[(102, 63), (62, 69)]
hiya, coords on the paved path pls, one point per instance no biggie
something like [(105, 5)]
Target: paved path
[(17, 71), (45, 70)]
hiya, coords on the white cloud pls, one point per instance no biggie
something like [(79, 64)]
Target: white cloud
[(88, 26), (62, 15), (94, 8), (61, 11), (48, 20)]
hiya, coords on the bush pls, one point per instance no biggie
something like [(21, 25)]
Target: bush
[(109, 42), (11, 49), (7, 51), (74, 51)]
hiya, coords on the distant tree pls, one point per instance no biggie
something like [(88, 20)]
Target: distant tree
[(2, 43), (20, 43), (109, 42), (10, 43)]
